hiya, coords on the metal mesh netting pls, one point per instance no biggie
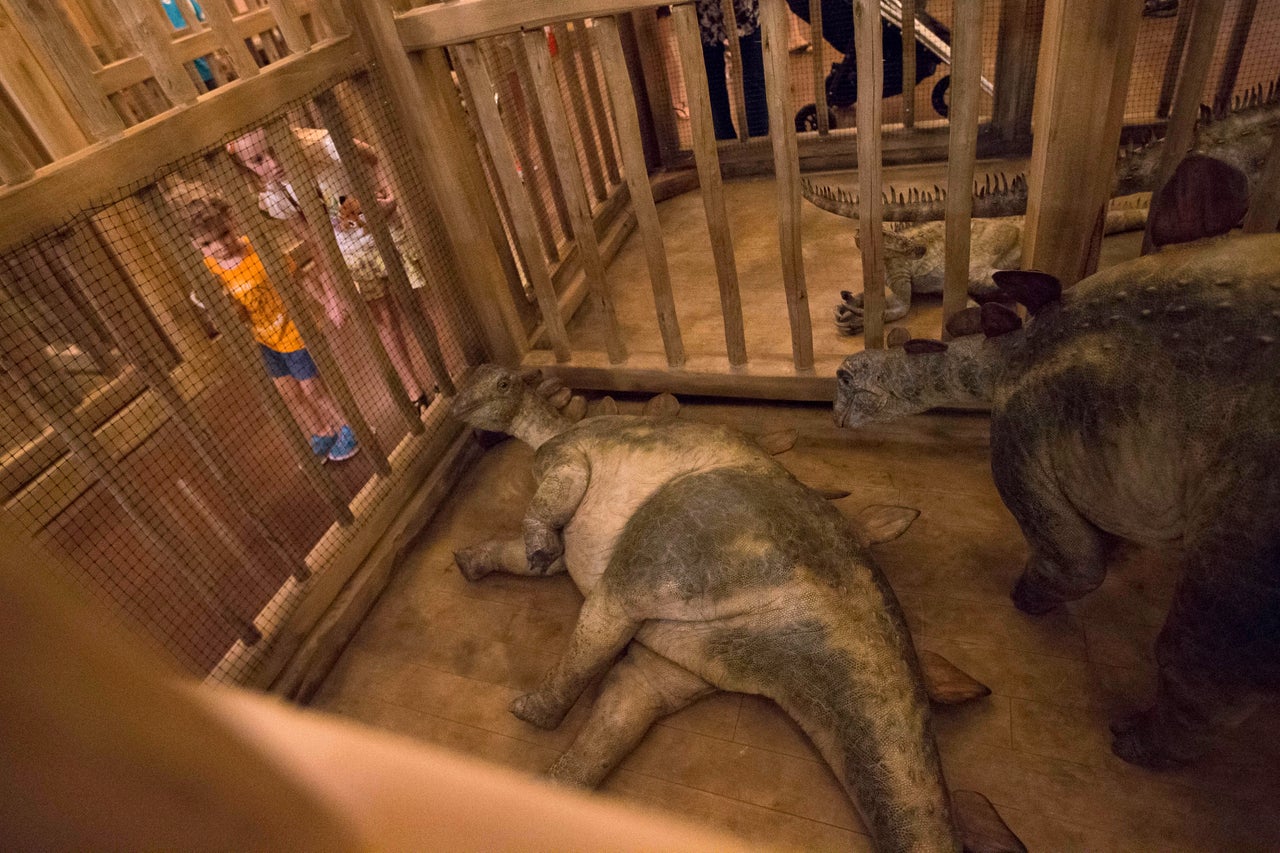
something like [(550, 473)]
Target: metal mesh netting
[(142, 437)]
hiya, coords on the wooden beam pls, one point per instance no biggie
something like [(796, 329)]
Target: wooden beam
[(657, 86), (92, 174), (445, 24), (1235, 51), (867, 41), (909, 60), (290, 24), (1173, 60), (966, 72), (14, 165), (1017, 44), (609, 44), (152, 34), (538, 124), (1264, 208), (38, 94), (599, 116), (730, 17), (572, 71), (230, 37), (575, 189), (685, 19)]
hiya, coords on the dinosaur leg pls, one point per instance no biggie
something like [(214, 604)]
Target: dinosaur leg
[(641, 688), (603, 629), (895, 308), (1068, 553), (1206, 658), (500, 555)]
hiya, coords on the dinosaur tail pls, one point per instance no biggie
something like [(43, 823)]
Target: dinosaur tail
[(996, 196)]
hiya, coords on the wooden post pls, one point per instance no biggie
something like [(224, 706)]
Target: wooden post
[(818, 43), (522, 218), (609, 44), (966, 71), (243, 347), (573, 77), (656, 84), (867, 44), (250, 560), (290, 24), (909, 62), (600, 116), (45, 24), (153, 35), (1264, 208), (1235, 51), (281, 138), (584, 228), (1173, 62), (1016, 47), (1082, 79), (685, 19), (229, 39), (538, 124), (730, 16), (14, 165)]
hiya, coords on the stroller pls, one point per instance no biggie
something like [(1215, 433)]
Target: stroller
[(933, 48)]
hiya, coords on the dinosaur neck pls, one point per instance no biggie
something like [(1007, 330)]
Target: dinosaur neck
[(964, 375), (536, 422)]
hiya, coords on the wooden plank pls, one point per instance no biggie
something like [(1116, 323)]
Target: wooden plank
[(909, 60), (533, 103), (290, 24), (45, 24), (738, 78), (35, 94), (1264, 207), (282, 140), (685, 19), (966, 72), (230, 38), (1080, 91), (467, 20), (573, 78), (1235, 51), (866, 27), (481, 90), (14, 165), (786, 164), (1173, 61), (152, 33), (243, 348), (85, 178), (819, 66), (650, 52), (599, 116), (609, 44), (584, 229)]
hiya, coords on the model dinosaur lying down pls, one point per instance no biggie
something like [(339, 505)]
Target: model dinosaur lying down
[(728, 573), (1142, 404)]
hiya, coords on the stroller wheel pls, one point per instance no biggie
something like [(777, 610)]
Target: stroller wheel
[(941, 97), (807, 118)]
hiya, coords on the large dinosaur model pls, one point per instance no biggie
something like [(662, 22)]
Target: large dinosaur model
[(1141, 404), (728, 573)]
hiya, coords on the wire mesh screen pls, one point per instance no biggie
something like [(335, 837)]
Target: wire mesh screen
[(206, 374)]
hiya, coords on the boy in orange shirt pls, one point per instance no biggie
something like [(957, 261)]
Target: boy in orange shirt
[(233, 261)]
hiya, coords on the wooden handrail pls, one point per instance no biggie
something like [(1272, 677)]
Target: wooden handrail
[(444, 24)]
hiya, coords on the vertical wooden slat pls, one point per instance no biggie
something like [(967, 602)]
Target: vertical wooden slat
[(481, 89), (656, 84), (573, 77), (575, 189), (224, 533), (525, 91), (334, 19), (132, 333), (36, 93), (153, 35), (736, 76), (14, 165), (283, 142), (1081, 83), (1016, 46), (909, 62), (290, 23), (243, 348), (1235, 51), (609, 45), (818, 44), (223, 26), (867, 44), (705, 156), (366, 191), (41, 393), (45, 23), (599, 116), (1173, 62), (71, 313), (194, 19), (1264, 207), (966, 70)]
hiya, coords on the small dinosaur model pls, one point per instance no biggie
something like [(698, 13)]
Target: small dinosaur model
[(1141, 404), (728, 573)]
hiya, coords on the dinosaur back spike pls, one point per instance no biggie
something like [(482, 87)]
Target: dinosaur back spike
[(897, 336), (966, 322), (1204, 197), (996, 319), (923, 346), (1032, 288)]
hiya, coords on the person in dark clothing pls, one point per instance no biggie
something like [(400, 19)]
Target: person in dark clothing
[(714, 39)]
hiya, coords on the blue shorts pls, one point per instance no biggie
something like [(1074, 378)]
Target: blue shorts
[(297, 364)]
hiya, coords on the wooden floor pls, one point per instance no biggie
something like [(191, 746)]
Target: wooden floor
[(440, 658)]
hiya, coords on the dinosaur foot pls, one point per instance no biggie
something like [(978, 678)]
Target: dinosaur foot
[(539, 709), (1031, 600), (473, 562), (1137, 741)]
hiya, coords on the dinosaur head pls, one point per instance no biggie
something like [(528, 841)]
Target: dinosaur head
[(879, 385), (491, 399)]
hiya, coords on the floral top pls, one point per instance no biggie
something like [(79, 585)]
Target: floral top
[(711, 20)]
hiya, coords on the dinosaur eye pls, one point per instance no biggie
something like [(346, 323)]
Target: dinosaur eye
[(504, 384)]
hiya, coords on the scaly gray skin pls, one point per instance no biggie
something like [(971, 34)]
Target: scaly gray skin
[(1142, 406), (1239, 137), (730, 574)]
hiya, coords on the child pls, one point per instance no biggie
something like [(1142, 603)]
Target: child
[(278, 198), (234, 262)]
